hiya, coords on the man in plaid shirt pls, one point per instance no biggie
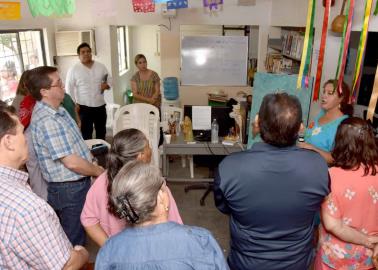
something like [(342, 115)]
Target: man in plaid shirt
[(30, 234), (63, 156)]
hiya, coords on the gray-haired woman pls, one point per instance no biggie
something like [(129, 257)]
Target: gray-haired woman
[(128, 145), (139, 195)]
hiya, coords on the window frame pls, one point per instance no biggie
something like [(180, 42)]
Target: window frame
[(17, 32), (125, 49)]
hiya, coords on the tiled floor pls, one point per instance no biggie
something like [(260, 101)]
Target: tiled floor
[(190, 209)]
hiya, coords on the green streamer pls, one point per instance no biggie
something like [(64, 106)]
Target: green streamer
[(51, 7), (342, 41), (376, 8), (310, 42)]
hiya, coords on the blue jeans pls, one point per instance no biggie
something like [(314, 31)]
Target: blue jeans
[(67, 199)]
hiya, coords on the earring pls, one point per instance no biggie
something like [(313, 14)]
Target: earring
[(166, 208)]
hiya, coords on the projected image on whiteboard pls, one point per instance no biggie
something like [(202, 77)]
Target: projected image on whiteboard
[(214, 60)]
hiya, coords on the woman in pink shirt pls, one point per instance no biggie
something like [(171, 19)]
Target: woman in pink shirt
[(98, 222), (350, 212)]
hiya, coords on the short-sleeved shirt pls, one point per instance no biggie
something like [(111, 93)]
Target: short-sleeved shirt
[(83, 84), (323, 136), (55, 135), (69, 105), (30, 233), (95, 210), (354, 200), (168, 246), (272, 195), (145, 88)]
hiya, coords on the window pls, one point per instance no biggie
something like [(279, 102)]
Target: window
[(122, 49), (19, 51)]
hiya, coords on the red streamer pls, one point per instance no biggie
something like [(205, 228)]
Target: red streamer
[(319, 69), (346, 45)]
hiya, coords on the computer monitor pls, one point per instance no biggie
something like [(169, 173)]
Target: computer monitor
[(221, 113)]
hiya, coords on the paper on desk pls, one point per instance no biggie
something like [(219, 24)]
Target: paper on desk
[(201, 117)]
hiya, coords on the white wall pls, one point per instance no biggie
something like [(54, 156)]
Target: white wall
[(264, 14)]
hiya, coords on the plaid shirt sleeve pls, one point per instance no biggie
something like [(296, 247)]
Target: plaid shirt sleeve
[(56, 140), (40, 240)]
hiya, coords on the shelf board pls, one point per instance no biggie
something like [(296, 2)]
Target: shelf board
[(291, 57), (276, 47)]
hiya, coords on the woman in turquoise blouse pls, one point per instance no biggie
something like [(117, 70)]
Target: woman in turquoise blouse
[(320, 134)]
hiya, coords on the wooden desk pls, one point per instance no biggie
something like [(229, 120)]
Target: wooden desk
[(179, 147)]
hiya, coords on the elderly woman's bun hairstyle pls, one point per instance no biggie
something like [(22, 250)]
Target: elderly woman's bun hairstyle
[(134, 192)]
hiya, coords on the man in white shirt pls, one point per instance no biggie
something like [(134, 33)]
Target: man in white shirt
[(86, 82)]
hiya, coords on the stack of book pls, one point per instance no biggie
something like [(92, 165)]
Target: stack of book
[(218, 96), (292, 44)]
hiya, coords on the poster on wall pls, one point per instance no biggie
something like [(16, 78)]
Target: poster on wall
[(10, 10), (267, 83)]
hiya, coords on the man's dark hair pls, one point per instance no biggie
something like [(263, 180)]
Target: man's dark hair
[(7, 123), (280, 117), (83, 45), (38, 78)]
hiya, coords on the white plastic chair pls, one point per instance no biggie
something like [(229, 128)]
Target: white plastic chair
[(166, 112), (144, 117), (111, 109)]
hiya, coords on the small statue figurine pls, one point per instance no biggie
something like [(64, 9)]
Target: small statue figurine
[(187, 129), (172, 126)]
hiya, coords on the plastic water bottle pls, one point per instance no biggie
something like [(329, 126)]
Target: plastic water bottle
[(214, 131)]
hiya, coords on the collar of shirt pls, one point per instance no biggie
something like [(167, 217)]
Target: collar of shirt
[(60, 111), (11, 174), (263, 146)]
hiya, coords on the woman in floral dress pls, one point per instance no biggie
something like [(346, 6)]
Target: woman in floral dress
[(320, 134), (349, 228)]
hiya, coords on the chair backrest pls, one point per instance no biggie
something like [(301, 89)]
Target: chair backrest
[(111, 108), (144, 117), (167, 111)]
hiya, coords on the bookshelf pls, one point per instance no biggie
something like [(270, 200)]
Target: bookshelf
[(285, 46)]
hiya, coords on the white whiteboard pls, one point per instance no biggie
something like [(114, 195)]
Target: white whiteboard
[(214, 60)]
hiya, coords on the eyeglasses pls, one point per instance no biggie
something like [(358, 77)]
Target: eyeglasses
[(59, 84)]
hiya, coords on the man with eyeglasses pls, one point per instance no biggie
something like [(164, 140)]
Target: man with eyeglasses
[(62, 154), (86, 82)]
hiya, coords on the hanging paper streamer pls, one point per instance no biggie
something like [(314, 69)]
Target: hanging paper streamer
[(304, 69), (373, 98), (10, 10), (144, 6), (376, 9), (212, 4), (51, 7), (323, 41), (175, 4), (344, 46), (361, 49)]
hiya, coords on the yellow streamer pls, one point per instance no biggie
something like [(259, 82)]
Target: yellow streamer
[(373, 98), (10, 10), (305, 44), (364, 38)]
